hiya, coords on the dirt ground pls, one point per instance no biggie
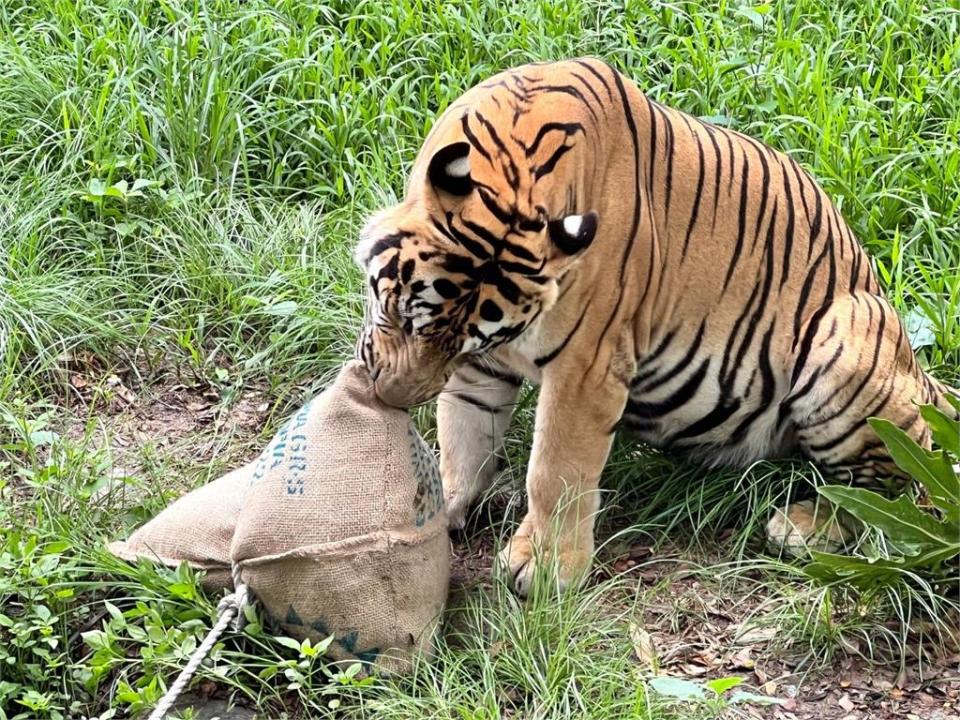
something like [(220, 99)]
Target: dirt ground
[(694, 628)]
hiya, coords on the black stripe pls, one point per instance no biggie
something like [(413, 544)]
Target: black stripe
[(800, 175), (761, 303), (789, 229), (808, 386), (652, 150), (530, 272), (725, 373), (571, 128), (490, 372), (875, 360), (855, 270), (475, 248), (521, 269), (717, 168), (482, 233), (473, 139), (807, 343), (674, 400), (567, 90), (639, 426), (472, 400), (504, 216), (500, 83), (804, 296), (852, 429), (443, 230), (589, 87), (676, 369), (505, 286), (733, 162), (668, 149), (386, 243), (698, 193), (764, 196), (511, 173), (658, 351), (550, 356), (597, 75), (742, 216), (551, 163), (716, 417), (766, 390), (459, 264), (520, 251), (389, 270), (492, 132), (635, 222), (817, 222)]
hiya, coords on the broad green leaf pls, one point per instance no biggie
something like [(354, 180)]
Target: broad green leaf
[(721, 685), (96, 187), (114, 611), (932, 470), (118, 189), (56, 548), (741, 697), (946, 430), (953, 400), (919, 329), (287, 642), (141, 183), (182, 590), (281, 309), (901, 520), (677, 688), (721, 120), (752, 15), (43, 437), (866, 573)]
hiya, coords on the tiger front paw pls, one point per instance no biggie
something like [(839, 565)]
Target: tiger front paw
[(566, 561)]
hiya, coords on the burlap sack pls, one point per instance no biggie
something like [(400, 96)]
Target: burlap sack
[(338, 528), (343, 530), (196, 529)]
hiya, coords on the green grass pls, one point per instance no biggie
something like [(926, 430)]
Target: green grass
[(181, 186)]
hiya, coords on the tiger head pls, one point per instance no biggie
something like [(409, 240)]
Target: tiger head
[(460, 267)]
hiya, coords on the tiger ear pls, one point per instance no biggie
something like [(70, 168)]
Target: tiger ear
[(574, 233), (373, 230), (449, 169)]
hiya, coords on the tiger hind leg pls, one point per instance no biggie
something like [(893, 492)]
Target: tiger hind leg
[(853, 361)]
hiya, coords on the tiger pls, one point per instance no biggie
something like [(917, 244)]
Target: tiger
[(651, 272)]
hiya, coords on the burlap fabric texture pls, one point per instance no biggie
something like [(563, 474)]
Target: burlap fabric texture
[(338, 528)]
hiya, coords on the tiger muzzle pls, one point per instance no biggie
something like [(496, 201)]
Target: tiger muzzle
[(408, 375)]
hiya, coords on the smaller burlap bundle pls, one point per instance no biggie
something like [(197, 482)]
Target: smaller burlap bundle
[(338, 528), (196, 529)]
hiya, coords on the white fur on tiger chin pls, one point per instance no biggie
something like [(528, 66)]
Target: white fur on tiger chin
[(808, 525)]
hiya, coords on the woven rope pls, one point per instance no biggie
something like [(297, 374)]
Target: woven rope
[(230, 608)]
